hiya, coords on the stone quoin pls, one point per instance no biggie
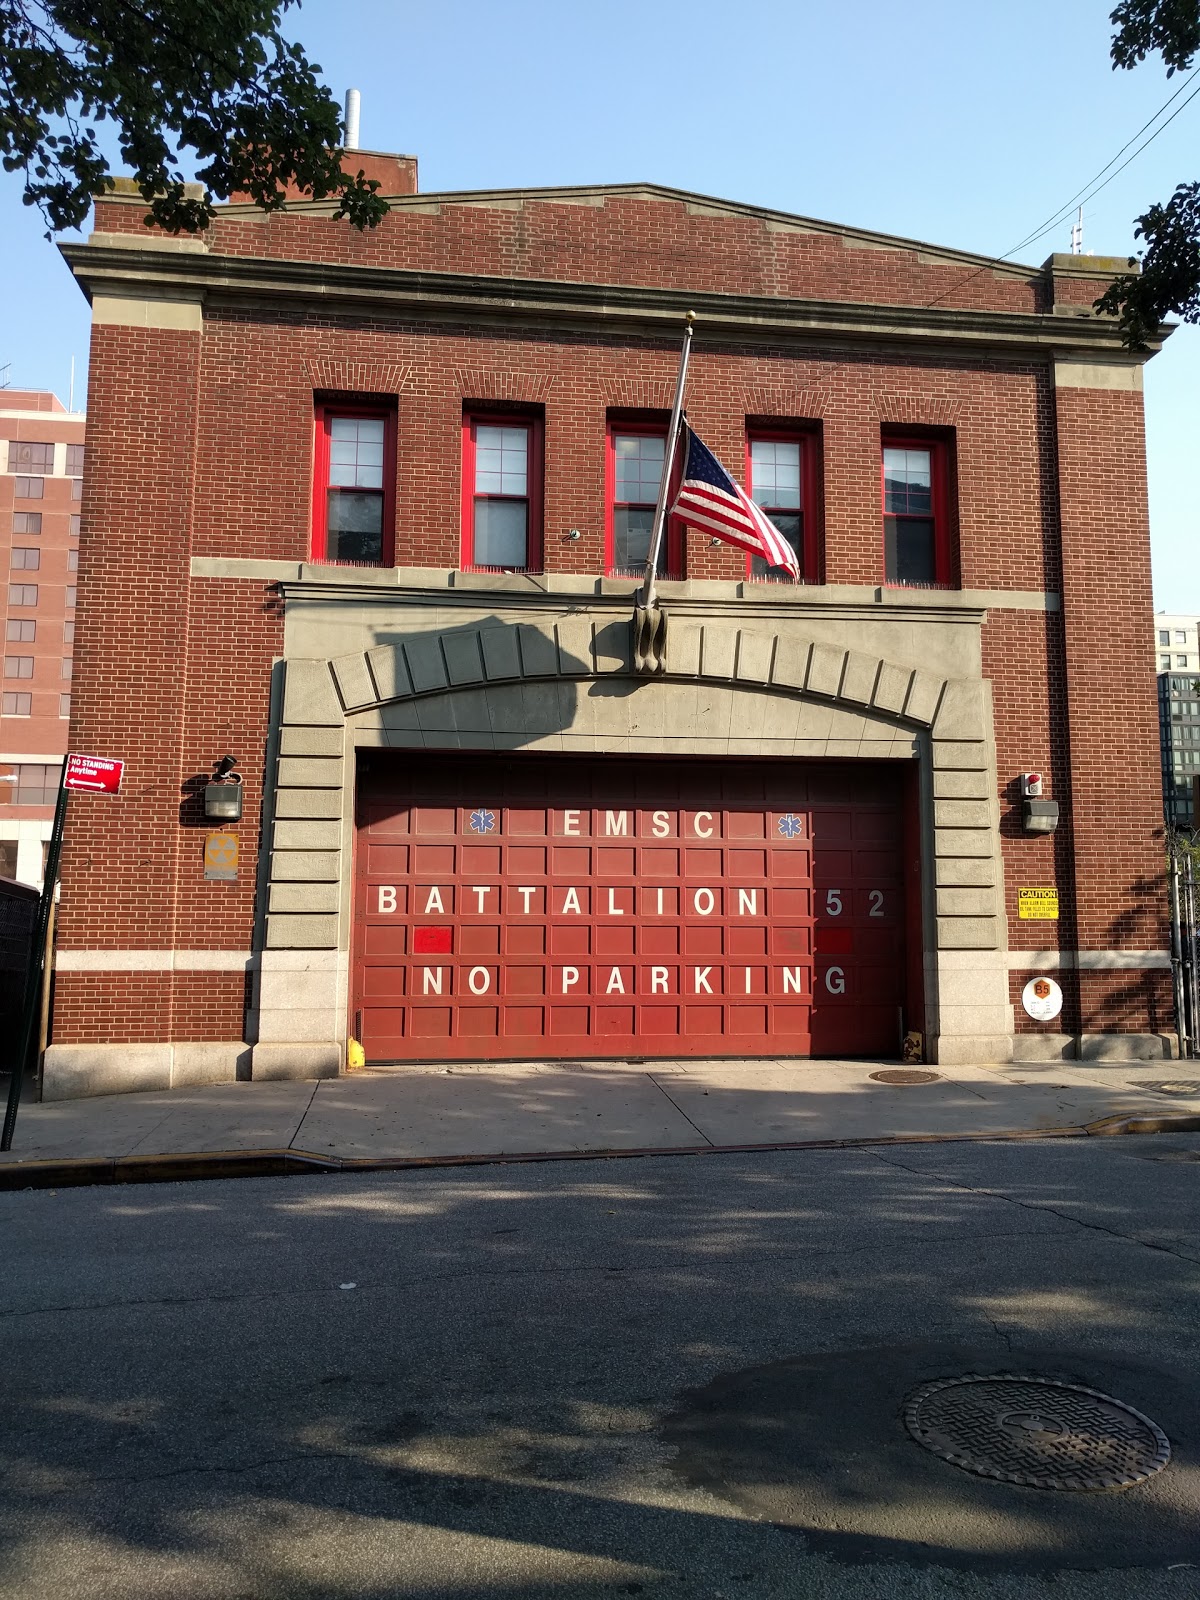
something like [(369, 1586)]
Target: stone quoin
[(368, 512)]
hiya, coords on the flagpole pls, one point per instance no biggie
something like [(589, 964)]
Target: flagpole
[(660, 509), (649, 620)]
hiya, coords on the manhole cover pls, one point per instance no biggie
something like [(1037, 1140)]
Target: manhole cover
[(903, 1075), (1176, 1086), (1036, 1431)]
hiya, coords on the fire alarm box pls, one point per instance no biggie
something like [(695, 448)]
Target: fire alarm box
[(1031, 785)]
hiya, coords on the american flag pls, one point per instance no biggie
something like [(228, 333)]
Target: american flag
[(709, 498)]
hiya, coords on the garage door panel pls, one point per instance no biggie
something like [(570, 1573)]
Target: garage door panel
[(526, 907)]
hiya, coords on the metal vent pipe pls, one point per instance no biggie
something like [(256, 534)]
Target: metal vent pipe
[(353, 101)]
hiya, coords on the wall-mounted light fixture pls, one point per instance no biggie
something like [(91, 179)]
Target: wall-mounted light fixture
[(1038, 815), (572, 533), (223, 796)]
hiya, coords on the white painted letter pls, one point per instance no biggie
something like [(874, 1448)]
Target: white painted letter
[(660, 902), (748, 902), (480, 891), (571, 903), (433, 980), (571, 822), (570, 977), (616, 822), (526, 893), (661, 825), (658, 980), (748, 972), (387, 897), (793, 980), (434, 903), (614, 910), (702, 983), (479, 972), (835, 980), (709, 899), (703, 833), (615, 983)]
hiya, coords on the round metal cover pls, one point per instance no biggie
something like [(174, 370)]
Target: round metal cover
[(1036, 1431), (1177, 1086), (903, 1075)]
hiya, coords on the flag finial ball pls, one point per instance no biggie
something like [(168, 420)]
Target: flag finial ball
[(689, 317)]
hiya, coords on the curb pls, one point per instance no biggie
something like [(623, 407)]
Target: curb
[(100, 1171)]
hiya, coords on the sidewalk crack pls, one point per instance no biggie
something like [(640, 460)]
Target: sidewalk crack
[(304, 1115), (681, 1111)]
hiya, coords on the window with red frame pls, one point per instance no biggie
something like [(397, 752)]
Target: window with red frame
[(781, 478), (635, 463), (354, 485), (502, 492), (917, 546)]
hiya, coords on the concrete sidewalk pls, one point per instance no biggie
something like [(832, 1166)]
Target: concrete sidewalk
[(431, 1113)]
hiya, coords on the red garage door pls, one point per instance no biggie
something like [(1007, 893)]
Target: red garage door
[(529, 907)]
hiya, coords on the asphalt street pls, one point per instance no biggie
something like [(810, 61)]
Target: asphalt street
[(674, 1377)]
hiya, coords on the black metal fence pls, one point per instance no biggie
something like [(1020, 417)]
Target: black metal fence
[(1183, 857), (18, 912)]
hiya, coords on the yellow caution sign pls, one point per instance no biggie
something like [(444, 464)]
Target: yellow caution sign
[(1037, 905)]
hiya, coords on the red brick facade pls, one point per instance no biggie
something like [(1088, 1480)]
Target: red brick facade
[(201, 451)]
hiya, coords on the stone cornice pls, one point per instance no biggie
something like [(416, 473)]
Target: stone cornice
[(216, 281)]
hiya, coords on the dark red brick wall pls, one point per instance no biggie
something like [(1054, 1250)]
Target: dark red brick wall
[(649, 243)]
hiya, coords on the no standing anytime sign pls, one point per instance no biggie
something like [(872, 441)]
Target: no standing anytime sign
[(94, 773)]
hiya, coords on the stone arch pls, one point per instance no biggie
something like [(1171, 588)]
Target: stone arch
[(584, 648)]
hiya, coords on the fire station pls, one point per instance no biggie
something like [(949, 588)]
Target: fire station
[(367, 513)]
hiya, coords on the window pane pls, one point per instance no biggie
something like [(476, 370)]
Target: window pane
[(25, 559), (908, 548), (775, 471), (1181, 661), (76, 488), (71, 596), (356, 452), (1180, 636), (27, 522), (16, 705), (632, 528), (792, 529), (26, 457), (501, 460), (639, 458), (64, 705), (22, 594), (1164, 636), (907, 482), (75, 521), (74, 460), (21, 631), (355, 527), (501, 533), (68, 632), (18, 666), (28, 488)]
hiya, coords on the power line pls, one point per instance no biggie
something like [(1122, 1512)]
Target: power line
[(1082, 196)]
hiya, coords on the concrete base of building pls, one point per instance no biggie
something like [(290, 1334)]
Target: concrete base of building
[(279, 1062), (1095, 1047), (75, 1071), (970, 1049)]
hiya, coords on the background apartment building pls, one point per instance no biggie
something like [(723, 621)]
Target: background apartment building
[(41, 481), (1177, 649)]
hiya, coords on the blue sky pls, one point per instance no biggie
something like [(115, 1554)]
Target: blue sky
[(962, 125)]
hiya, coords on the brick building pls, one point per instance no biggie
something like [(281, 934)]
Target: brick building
[(41, 454), (362, 512)]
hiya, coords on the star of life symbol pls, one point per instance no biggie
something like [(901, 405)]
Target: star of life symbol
[(482, 821), (790, 826)]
